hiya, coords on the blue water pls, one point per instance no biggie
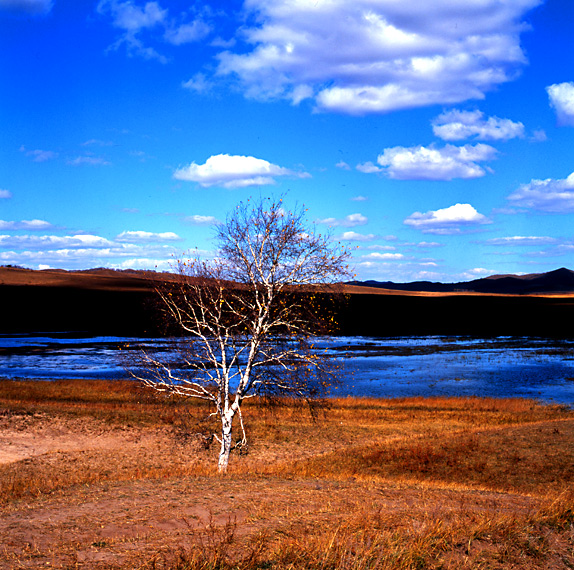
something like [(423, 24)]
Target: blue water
[(404, 366)]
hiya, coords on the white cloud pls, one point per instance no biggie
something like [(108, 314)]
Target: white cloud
[(145, 263), (562, 100), (381, 247), (368, 168), (188, 33), (232, 171), (32, 225), (458, 125), (477, 272), (146, 237), (403, 272), (135, 21), (359, 198), (198, 83), (132, 20), (88, 161), (5, 194), (354, 236), (71, 256), (428, 244), (557, 250), (198, 220), (343, 165), (432, 163), (39, 155), (446, 221), (40, 7), (539, 135), (386, 256), (522, 240), (349, 221), (80, 251), (373, 56), (550, 195), (81, 241), (97, 142)]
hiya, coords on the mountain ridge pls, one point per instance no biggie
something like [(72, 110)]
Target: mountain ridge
[(557, 281)]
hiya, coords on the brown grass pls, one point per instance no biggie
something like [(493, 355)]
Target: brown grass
[(396, 483)]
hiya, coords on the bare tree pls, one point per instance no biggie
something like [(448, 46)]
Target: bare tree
[(248, 317)]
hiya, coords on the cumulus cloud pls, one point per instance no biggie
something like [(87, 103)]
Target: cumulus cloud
[(31, 225), (232, 171), (5, 194), (38, 7), (458, 125), (562, 100), (374, 56), (550, 195), (446, 221), (146, 237), (198, 220), (354, 236), (431, 163), (349, 221)]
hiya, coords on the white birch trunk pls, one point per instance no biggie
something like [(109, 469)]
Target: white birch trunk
[(226, 428)]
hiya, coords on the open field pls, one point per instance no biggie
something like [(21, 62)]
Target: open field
[(104, 475)]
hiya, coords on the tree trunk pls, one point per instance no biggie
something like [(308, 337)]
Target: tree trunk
[(226, 425)]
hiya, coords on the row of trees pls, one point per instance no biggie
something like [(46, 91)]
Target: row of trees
[(247, 318)]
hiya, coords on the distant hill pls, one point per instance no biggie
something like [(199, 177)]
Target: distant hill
[(558, 281), (123, 303)]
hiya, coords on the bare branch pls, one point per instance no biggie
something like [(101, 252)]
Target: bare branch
[(245, 319)]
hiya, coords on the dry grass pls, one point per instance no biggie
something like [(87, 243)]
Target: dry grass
[(397, 483)]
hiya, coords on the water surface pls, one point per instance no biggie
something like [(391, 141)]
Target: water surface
[(392, 366)]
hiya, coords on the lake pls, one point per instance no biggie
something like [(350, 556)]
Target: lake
[(371, 366)]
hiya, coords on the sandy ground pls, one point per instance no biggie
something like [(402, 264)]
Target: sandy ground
[(24, 436)]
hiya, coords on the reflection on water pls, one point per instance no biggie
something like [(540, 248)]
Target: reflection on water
[(404, 366)]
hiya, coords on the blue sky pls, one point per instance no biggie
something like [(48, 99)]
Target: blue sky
[(434, 139)]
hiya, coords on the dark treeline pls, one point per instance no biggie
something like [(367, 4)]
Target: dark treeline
[(398, 315), (35, 309)]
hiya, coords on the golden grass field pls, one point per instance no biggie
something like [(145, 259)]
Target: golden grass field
[(104, 475)]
